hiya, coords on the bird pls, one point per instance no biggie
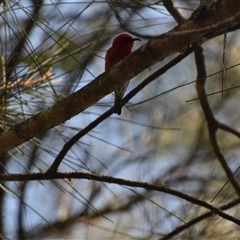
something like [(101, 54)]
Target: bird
[(121, 47)]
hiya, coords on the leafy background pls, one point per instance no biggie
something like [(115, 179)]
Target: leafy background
[(50, 49)]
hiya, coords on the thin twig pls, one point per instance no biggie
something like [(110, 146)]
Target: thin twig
[(28, 83), (197, 220)]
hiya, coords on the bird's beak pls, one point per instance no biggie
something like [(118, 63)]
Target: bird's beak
[(136, 39)]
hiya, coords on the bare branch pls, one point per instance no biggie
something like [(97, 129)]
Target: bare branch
[(197, 220), (172, 9), (130, 95), (154, 51), (212, 122), (107, 179)]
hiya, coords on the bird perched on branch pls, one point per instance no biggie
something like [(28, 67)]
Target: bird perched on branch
[(121, 47)]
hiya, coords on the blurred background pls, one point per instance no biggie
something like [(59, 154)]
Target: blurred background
[(50, 49)]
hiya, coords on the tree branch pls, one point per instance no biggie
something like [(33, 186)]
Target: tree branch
[(213, 124), (154, 51), (173, 10), (126, 99), (119, 181), (197, 220)]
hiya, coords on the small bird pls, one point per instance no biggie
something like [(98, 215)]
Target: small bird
[(121, 47)]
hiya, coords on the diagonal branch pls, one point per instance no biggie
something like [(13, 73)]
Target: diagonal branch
[(154, 51), (197, 220), (130, 95), (173, 10)]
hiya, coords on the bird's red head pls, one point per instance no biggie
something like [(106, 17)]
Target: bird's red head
[(124, 41), (121, 47)]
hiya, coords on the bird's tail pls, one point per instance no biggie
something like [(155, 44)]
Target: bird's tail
[(117, 108)]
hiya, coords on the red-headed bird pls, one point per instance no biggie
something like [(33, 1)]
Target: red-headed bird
[(121, 47)]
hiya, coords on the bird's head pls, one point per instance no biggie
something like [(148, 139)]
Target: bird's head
[(124, 41)]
